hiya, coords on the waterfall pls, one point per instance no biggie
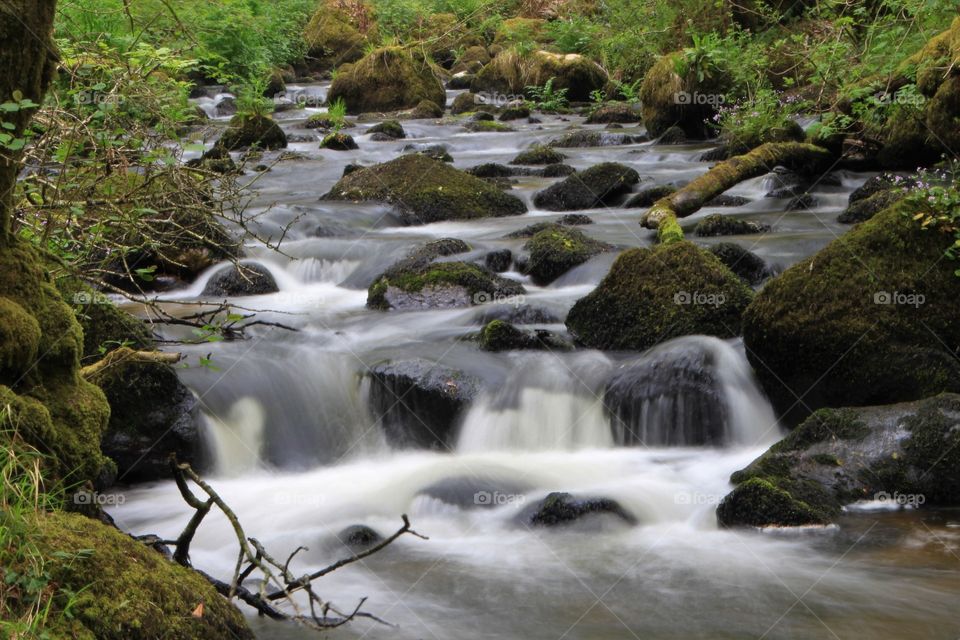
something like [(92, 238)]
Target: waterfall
[(236, 439)]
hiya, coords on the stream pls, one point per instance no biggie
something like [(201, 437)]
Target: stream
[(296, 450)]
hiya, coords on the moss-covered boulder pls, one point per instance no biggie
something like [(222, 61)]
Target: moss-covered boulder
[(648, 195), (498, 335), (471, 60), (515, 112), (426, 109), (246, 131), (581, 139), (332, 39), (41, 343), (388, 129), (468, 102), (652, 295), (556, 250), (865, 208), (338, 141), (424, 190), (614, 112), (601, 185), (539, 155), (511, 73), (152, 416), (487, 126), (674, 93), (441, 285), (869, 319), (720, 225), (123, 589), (749, 266), (903, 454), (387, 79)]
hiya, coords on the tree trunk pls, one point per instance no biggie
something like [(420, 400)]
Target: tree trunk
[(28, 61)]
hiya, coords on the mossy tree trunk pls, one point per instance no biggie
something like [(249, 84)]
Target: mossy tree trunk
[(27, 62)]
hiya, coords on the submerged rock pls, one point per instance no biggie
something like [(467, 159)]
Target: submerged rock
[(904, 454), (518, 314), (249, 279), (441, 285), (498, 335), (562, 509), (652, 295), (603, 184), (576, 139), (418, 403), (424, 190), (721, 225), (479, 490)]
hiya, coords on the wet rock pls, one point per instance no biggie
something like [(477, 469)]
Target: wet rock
[(442, 285), (687, 101), (603, 184), (249, 279), (673, 135), (386, 79), (575, 219), (390, 129), (614, 113), (802, 202), (418, 403), (468, 102), (426, 110), (482, 116), (649, 195), (721, 225), (461, 80), (245, 132), (576, 139), (152, 416), (423, 190), (492, 170), (557, 249), (518, 314), (904, 454), (339, 142), (518, 112), (562, 509), (486, 126), (746, 264), (864, 209), (499, 261), (557, 171), (435, 151), (539, 155), (652, 295), (359, 536), (724, 200), (477, 491), (498, 335), (225, 107)]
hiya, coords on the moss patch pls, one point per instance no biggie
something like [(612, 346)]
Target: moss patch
[(246, 131), (556, 250), (387, 79), (479, 284)]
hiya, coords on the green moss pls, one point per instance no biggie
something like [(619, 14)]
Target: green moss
[(943, 115), (759, 502), (19, 340), (487, 126), (387, 79), (391, 128), (829, 327), (652, 295), (669, 231), (662, 92), (124, 590), (426, 109), (934, 449), (823, 425), (602, 184), (426, 190), (331, 39), (513, 72), (498, 335), (557, 249), (246, 131), (472, 278), (338, 142), (539, 155)]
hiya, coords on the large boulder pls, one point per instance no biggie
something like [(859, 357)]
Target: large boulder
[(603, 184), (387, 79), (652, 295), (687, 101), (332, 39), (440, 285), (869, 319), (122, 589), (557, 249), (561, 509), (241, 280), (904, 454), (511, 73), (246, 131), (152, 416), (424, 190), (418, 403)]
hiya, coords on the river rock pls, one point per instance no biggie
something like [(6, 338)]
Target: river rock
[(386, 79), (902, 454), (560, 509), (435, 151), (652, 295), (389, 129), (246, 131), (539, 155), (499, 261), (510, 73), (869, 319), (601, 185), (687, 102), (418, 403), (250, 279), (721, 225), (614, 113), (359, 537), (649, 195), (746, 264), (339, 142), (498, 335), (424, 190), (579, 139), (557, 249), (518, 314)]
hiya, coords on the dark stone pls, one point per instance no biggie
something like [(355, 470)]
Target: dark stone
[(499, 261), (359, 536), (249, 280), (339, 142), (562, 509), (649, 195), (603, 184), (720, 225), (518, 314), (746, 264), (595, 139), (498, 335), (673, 135)]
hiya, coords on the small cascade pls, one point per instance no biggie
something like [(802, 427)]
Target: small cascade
[(235, 439), (692, 391), (547, 403), (322, 270)]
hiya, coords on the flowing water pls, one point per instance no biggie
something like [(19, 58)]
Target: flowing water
[(295, 448)]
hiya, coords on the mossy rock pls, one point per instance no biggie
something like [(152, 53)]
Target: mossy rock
[(556, 250), (746, 264), (581, 139), (439, 285), (943, 114), (331, 39), (425, 190), (325, 122), (869, 319), (907, 143), (55, 409), (614, 113), (471, 60), (720, 225), (387, 79), (673, 135), (246, 131), (426, 109), (124, 590), (487, 126), (865, 208), (790, 131), (515, 112), (687, 102), (649, 195), (438, 152), (601, 185), (511, 73), (759, 502), (468, 102), (389, 128), (539, 155), (498, 336), (520, 29), (653, 295), (338, 142)]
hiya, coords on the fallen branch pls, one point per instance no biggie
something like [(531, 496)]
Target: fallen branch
[(801, 157), (125, 355)]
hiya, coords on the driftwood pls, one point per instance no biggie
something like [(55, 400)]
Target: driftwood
[(277, 581), (125, 355), (798, 156)]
